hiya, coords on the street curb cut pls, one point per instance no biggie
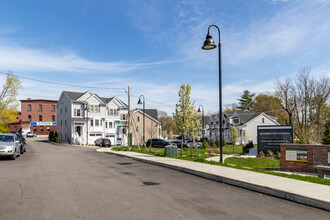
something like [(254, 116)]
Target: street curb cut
[(246, 185)]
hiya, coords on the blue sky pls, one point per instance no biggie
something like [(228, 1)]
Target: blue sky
[(154, 46)]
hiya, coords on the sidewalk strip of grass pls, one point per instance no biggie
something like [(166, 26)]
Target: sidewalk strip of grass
[(248, 164)]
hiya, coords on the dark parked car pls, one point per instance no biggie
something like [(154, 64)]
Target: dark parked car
[(103, 142), (158, 143), (178, 143), (22, 142)]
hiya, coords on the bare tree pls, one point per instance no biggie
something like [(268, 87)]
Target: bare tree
[(306, 103), (286, 92)]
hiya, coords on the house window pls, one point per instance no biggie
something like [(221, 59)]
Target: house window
[(41, 128), (110, 124), (61, 111), (111, 111), (138, 118), (53, 117), (40, 117), (53, 108), (29, 118), (97, 122), (92, 122), (236, 120), (123, 117), (61, 123), (65, 109), (101, 122), (77, 112), (65, 123), (106, 124), (48, 128), (263, 120), (137, 128), (29, 107), (40, 108), (35, 128)]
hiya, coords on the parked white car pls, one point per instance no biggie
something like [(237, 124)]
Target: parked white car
[(9, 146)]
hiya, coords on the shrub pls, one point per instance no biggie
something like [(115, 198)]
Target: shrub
[(212, 143), (270, 154), (56, 135), (218, 151), (261, 154), (278, 155), (205, 143), (217, 142), (57, 140), (224, 142), (51, 136), (210, 150)]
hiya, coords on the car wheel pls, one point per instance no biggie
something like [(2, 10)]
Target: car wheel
[(14, 156)]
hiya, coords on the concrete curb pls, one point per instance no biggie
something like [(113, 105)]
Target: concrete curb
[(246, 185)]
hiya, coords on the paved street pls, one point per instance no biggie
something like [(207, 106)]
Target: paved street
[(63, 182)]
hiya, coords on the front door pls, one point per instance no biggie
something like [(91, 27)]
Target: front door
[(78, 130)]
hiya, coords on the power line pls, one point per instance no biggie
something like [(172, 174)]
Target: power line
[(65, 84)]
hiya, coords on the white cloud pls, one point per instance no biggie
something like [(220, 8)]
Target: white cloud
[(26, 59)]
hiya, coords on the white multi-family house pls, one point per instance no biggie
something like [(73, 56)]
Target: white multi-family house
[(246, 122), (84, 117)]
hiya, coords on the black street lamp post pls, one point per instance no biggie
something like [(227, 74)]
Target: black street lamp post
[(209, 45), (144, 128), (199, 110)]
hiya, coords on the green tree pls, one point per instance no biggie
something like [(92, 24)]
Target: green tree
[(184, 112), (170, 135), (233, 135), (8, 100), (246, 100), (164, 134), (194, 127), (271, 105), (326, 134)]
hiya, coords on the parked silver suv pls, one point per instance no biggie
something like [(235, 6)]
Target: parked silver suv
[(9, 145)]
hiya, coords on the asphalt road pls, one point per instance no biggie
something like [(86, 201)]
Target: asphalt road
[(64, 182)]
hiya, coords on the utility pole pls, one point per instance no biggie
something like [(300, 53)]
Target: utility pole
[(129, 118)]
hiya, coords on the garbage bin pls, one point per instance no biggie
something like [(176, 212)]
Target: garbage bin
[(171, 150)]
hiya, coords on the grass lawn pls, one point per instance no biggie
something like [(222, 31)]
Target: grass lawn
[(251, 164)]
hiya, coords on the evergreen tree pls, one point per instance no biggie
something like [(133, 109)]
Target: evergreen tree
[(246, 100), (326, 134)]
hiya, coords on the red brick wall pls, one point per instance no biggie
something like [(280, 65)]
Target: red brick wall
[(316, 155), (46, 113)]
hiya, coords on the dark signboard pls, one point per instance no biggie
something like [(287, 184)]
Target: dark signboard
[(272, 136)]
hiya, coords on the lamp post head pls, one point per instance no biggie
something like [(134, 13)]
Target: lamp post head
[(199, 109), (209, 43), (139, 102)]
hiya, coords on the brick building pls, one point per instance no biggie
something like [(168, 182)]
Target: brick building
[(303, 157), (37, 115)]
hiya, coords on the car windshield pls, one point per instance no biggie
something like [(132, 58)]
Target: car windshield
[(6, 138)]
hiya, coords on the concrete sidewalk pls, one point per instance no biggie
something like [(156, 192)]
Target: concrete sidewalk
[(307, 193)]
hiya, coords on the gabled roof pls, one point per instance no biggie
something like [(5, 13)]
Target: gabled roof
[(247, 116), (152, 113), (74, 96)]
